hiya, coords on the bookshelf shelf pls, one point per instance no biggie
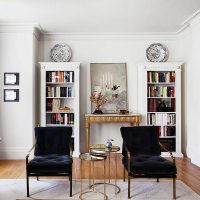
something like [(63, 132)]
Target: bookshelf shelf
[(59, 104), (59, 125), (60, 97), (159, 98), (50, 112)]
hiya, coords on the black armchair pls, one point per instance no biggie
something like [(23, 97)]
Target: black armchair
[(142, 155), (53, 154)]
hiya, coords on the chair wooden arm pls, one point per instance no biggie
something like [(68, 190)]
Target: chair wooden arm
[(171, 155), (28, 154)]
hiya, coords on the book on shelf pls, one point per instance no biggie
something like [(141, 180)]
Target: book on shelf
[(160, 77), (161, 119), (167, 131), (55, 105), (49, 105), (60, 76), (62, 118), (161, 91)]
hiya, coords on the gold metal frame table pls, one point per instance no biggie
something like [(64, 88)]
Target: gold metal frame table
[(133, 119), (89, 157), (102, 149)]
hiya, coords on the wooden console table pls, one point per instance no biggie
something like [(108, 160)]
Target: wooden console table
[(133, 119)]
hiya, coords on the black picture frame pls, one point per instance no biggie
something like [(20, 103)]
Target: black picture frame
[(11, 95), (11, 78)]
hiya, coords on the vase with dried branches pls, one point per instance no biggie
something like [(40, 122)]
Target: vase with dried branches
[(98, 99)]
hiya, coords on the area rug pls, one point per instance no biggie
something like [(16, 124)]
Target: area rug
[(59, 189)]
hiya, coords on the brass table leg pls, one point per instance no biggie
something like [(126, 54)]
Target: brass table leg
[(81, 181), (104, 169), (117, 189), (109, 167), (87, 133), (115, 173), (93, 175)]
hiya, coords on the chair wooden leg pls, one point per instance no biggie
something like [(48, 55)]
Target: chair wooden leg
[(129, 190), (157, 179), (37, 178), (70, 180), (27, 185), (124, 179), (174, 188)]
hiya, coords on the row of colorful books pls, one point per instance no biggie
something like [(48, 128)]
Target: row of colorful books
[(62, 118), (161, 119), (161, 91), (161, 77), (161, 105), (60, 76), (167, 131), (59, 91)]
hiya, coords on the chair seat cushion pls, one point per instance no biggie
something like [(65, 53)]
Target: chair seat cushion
[(154, 166), (53, 163)]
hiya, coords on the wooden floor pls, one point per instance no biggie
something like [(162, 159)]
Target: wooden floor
[(187, 172)]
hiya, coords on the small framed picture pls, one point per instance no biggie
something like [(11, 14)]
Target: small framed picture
[(11, 95), (11, 78)]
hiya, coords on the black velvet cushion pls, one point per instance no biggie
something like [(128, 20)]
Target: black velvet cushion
[(150, 165), (52, 140), (141, 140), (52, 163)]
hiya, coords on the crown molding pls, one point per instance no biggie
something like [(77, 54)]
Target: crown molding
[(107, 35), (21, 28)]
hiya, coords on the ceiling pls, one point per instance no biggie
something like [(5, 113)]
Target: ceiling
[(63, 16)]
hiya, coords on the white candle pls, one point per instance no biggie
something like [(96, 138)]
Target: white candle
[(100, 83), (111, 80), (106, 80), (103, 81)]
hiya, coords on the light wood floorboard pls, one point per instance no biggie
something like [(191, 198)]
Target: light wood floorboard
[(187, 172)]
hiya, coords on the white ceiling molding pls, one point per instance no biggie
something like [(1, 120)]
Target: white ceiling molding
[(32, 28), (108, 36), (190, 19)]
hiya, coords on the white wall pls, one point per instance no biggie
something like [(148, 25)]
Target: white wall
[(107, 48), (17, 119), (19, 54), (190, 45)]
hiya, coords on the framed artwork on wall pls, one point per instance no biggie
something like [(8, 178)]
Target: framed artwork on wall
[(11, 95), (110, 81), (11, 78)]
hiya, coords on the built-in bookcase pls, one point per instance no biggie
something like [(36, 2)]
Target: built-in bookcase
[(159, 101), (60, 97)]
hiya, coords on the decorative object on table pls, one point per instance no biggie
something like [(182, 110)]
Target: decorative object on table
[(123, 112), (61, 53), (98, 99), (11, 78), (11, 95), (110, 80), (109, 143), (157, 52), (64, 109)]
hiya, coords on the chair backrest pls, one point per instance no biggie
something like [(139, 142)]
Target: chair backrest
[(52, 140), (141, 140)]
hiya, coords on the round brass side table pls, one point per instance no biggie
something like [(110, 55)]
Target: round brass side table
[(101, 148), (92, 158)]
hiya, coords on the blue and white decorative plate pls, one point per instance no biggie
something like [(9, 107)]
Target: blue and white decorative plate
[(60, 53), (157, 52)]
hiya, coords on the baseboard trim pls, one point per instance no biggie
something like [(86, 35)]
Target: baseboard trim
[(13, 153)]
